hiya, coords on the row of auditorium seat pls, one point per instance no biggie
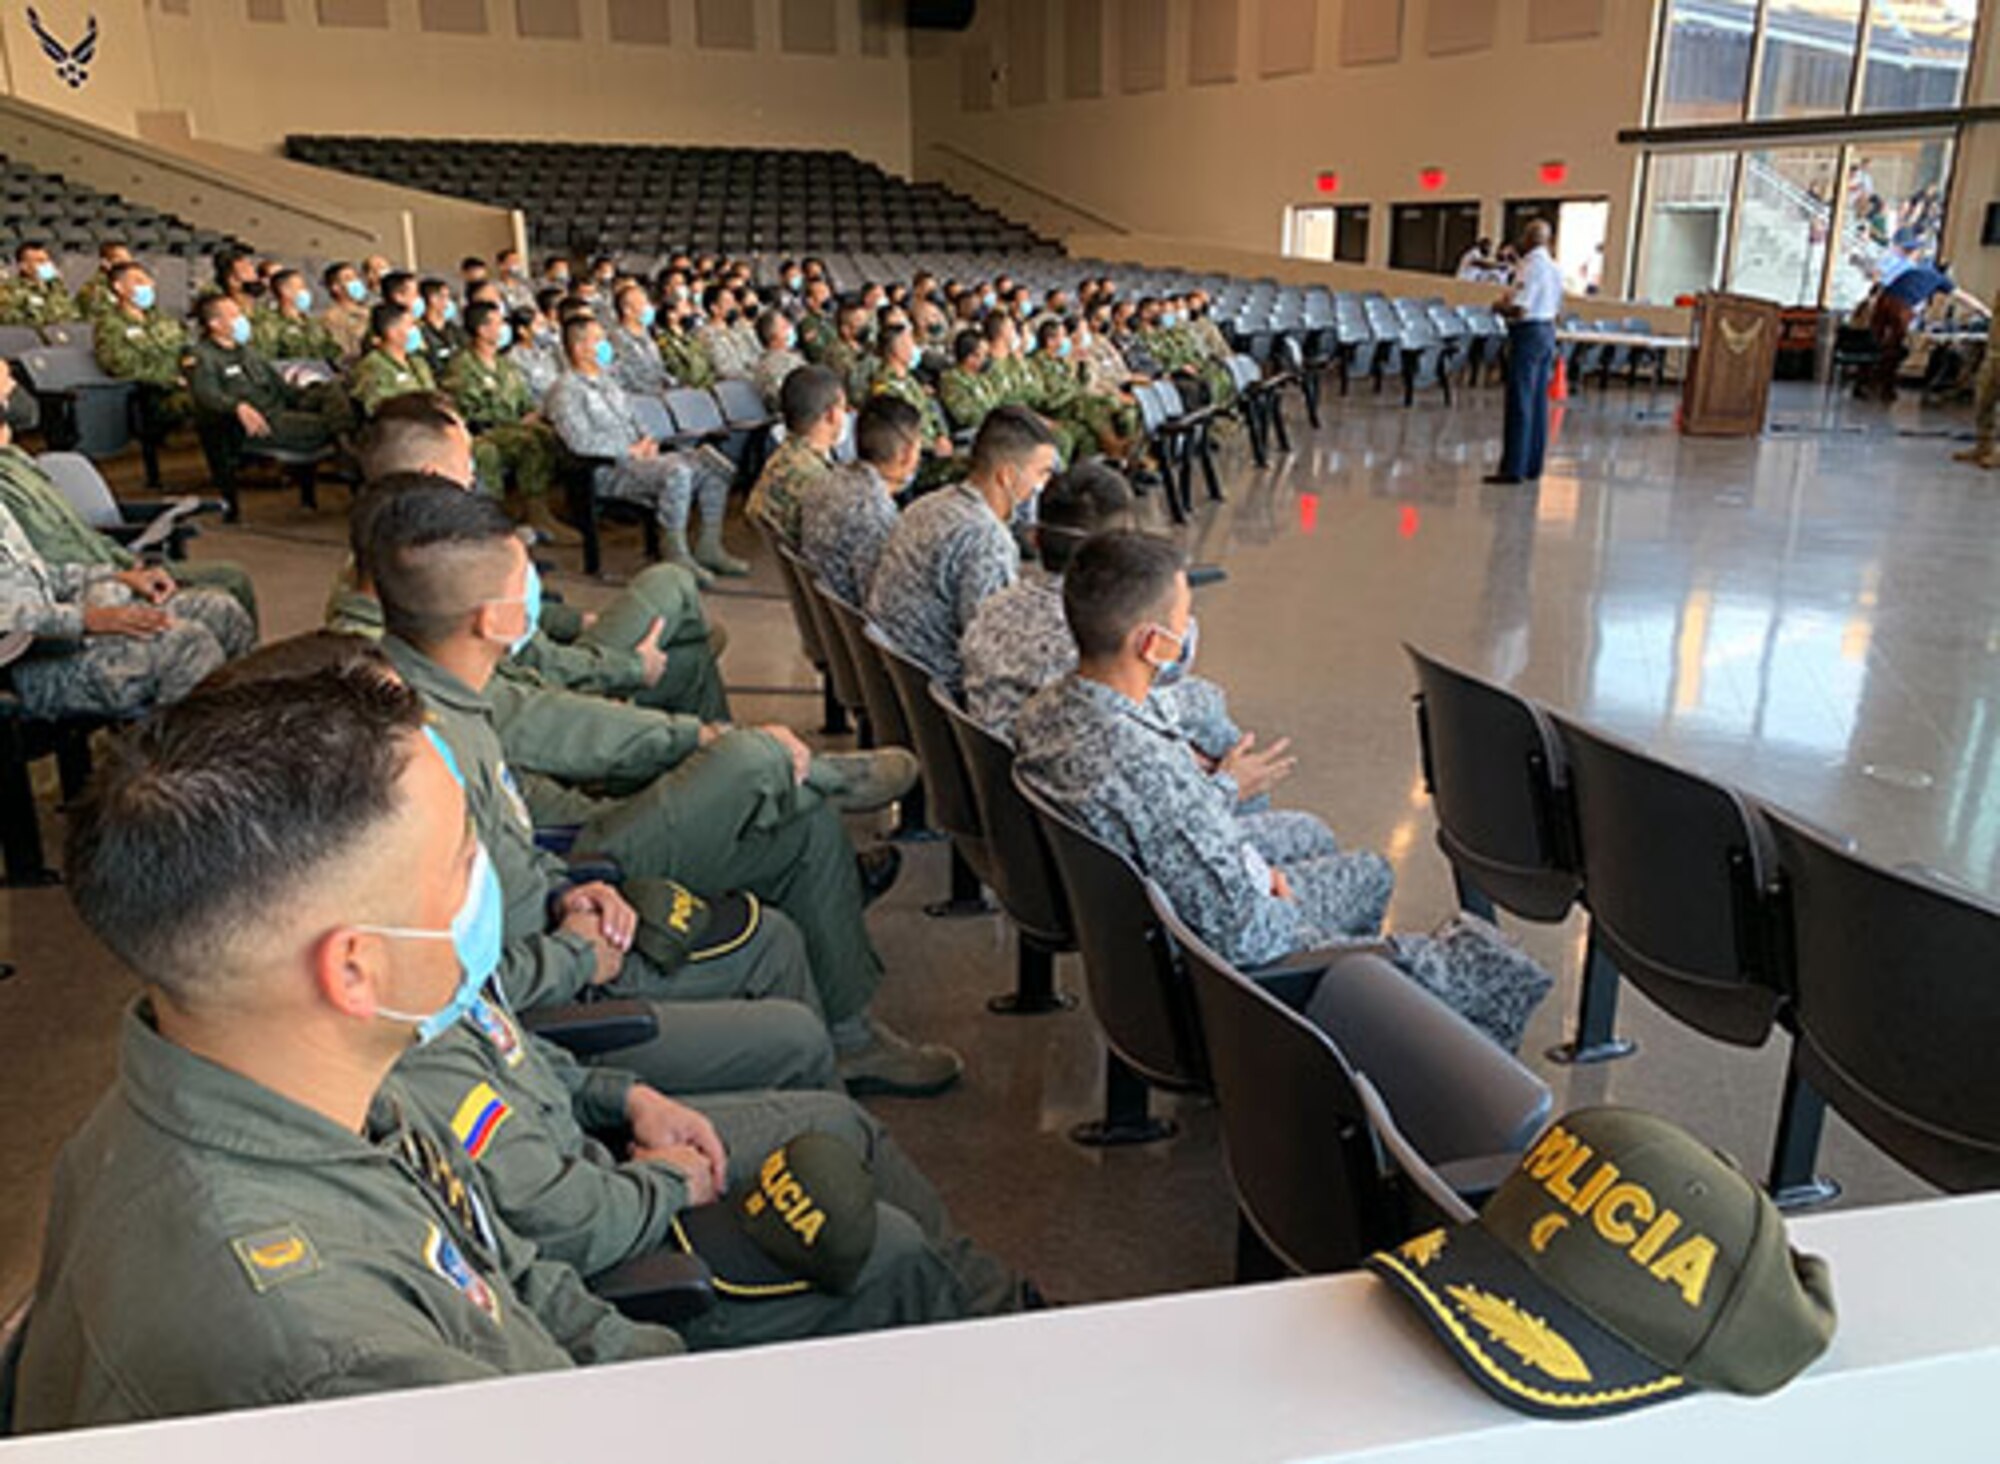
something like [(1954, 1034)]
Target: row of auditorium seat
[(613, 197), (47, 208)]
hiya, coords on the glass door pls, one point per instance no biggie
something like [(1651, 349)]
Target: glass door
[(1785, 219)]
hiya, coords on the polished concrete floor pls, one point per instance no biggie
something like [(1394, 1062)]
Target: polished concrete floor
[(1815, 616)]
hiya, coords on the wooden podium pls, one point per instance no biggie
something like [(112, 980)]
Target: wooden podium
[(1728, 383)]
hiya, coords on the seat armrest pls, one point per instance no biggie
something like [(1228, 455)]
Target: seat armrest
[(1473, 1180), (593, 868), (593, 1028), (663, 1286)]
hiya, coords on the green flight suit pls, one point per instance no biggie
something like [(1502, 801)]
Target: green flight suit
[(151, 349), (705, 1043), (280, 337), (377, 376), (301, 419), (524, 1110), (61, 536), (213, 1245), (494, 398), (25, 301)]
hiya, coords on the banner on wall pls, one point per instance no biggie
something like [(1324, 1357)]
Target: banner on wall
[(71, 61)]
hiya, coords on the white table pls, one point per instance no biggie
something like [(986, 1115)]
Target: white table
[(1323, 1369)]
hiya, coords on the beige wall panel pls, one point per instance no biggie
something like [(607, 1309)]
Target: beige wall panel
[(1213, 28), (1142, 45), (452, 17), (1288, 37), (1371, 32), (360, 14), (1027, 52), (809, 28), (1454, 27), (272, 11), (975, 79), (1565, 20), (548, 20), (641, 22), (1083, 49), (876, 17), (725, 25)]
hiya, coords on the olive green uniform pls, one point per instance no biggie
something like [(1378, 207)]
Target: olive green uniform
[(1014, 382), (495, 398), (935, 469), (282, 337), (704, 1044), (94, 297), (850, 361), (302, 419), (213, 1245), (151, 349), (685, 360), (378, 376), (967, 396), (347, 322), (523, 1111), (781, 487), (1176, 348), (816, 333), (25, 301)]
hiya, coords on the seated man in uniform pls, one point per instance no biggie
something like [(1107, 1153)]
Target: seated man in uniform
[(392, 362), (510, 441), (289, 331), (846, 517), (814, 404), (1257, 887), (953, 548), (780, 358), (457, 591), (137, 341), (346, 313), (35, 293), (239, 397), (258, 1213)]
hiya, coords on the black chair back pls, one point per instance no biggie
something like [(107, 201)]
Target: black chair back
[(1023, 872), (1139, 995), (1494, 772), (875, 691), (1677, 873), (1896, 1005), (949, 803), (793, 573)]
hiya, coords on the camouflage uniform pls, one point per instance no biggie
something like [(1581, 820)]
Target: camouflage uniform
[(150, 349), (967, 396), (281, 337), (685, 360), (28, 301), (636, 362), (816, 333), (60, 535), (1176, 348), (774, 501), (726, 353), (347, 322), (494, 398), (772, 369), (94, 297), (845, 519), (441, 344), (1105, 379), (538, 364), (1015, 382), (946, 555), (378, 376), (84, 674), (906, 388), (851, 362)]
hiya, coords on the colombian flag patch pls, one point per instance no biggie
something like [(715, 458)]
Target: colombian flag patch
[(478, 1118)]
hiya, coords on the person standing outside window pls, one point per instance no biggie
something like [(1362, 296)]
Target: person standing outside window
[(1530, 309)]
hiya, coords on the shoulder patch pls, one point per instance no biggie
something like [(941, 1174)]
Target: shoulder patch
[(445, 1258), (272, 1257), (479, 1118)]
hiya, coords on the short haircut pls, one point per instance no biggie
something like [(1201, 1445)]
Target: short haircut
[(1049, 332), (214, 813), (884, 429), (889, 336), (431, 288), (477, 314), (394, 280), (430, 553), (770, 327), (330, 276), (209, 308), (1115, 584), (472, 262), (122, 271), (995, 326), (108, 247), (301, 655), (574, 328), (548, 300), (1008, 435), (226, 260), (1091, 498), (712, 294), (27, 247), (279, 276), (407, 433), (809, 393), (965, 345)]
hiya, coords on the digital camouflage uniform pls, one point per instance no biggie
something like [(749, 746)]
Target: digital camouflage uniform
[(347, 322), (772, 369), (213, 1245), (1015, 382), (906, 388), (845, 519), (60, 535), (94, 297), (1176, 348), (522, 1111), (946, 554), (727, 354), (1105, 378), (538, 362), (636, 362), (494, 397), (28, 301), (850, 361), (281, 337), (72, 672), (774, 501), (378, 376), (151, 349)]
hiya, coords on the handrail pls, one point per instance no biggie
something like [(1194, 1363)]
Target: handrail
[(1014, 181), (154, 158)]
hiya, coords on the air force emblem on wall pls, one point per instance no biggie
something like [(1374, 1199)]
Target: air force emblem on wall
[(72, 63)]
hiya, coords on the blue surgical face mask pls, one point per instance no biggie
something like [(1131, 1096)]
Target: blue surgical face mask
[(1028, 347), (302, 301), (240, 330), (451, 310), (604, 353), (790, 342), (144, 295), (1169, 318), (531, 610), (506, 335), (475, 933), (1178, 668), (414, 341), (45, 272), (647, 316), (989, 299), (356, 291), (1063, 347)]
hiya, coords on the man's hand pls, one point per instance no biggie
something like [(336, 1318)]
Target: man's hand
[(1258, 772), (672, 1133), (942, 447), (652, 657), (140, 622), (252, 420), (608, 958), (149, 582), (801, 754), (617, 920), (1281, 888), (712, 732), (587, 619), (645, 448)]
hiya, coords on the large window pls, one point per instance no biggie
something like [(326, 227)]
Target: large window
[(1689, 198), (1431, 236), (1328, 231), (1738, 60)]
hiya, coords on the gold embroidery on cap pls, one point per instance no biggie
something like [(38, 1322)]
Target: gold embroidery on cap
[(1545, 1230), (1525, 1335), (1423, 1249)]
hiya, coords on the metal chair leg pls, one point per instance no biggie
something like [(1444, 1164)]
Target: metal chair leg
[(833, 718), (1126, 1119), (1034, 992), (20, 826), (968, 896), (1801, 1117), (1596, 1037)]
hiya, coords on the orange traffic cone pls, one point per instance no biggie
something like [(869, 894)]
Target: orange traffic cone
[(1559, 383)]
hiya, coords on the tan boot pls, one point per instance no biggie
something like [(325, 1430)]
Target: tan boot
[(552, 530)]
